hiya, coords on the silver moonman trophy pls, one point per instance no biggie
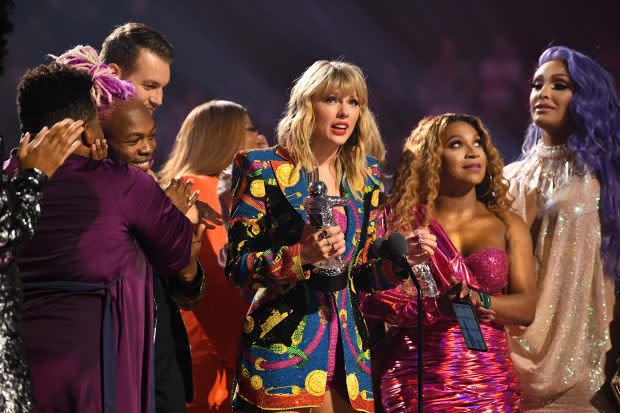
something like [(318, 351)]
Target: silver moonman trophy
[(320, 212)]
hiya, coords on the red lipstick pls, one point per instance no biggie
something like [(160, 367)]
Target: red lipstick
[(340, 128)]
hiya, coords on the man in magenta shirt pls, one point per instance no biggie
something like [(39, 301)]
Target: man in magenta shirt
[(88, 271)]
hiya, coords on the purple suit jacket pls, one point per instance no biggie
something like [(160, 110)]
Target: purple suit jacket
[(108, 225)]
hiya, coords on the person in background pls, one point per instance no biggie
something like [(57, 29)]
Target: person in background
[(137, 53), (205, 145), (36, 161), (129, 128), (253, 140), (20, 209), (566, 189), (88, 271)]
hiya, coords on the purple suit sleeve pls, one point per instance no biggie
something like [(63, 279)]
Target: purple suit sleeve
[(164, 233), (398, 307)]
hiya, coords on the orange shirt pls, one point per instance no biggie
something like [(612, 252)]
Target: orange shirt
[(214, 324)]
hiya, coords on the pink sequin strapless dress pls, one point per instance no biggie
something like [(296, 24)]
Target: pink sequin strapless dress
[(456, 379)]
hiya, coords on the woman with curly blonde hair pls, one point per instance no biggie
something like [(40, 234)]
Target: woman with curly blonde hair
[(450, 199), (305, 346)]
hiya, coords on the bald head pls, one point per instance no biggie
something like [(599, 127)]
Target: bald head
[(130, 131)]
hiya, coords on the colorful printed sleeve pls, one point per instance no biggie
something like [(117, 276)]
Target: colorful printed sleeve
[(372, 273), (254, 257)]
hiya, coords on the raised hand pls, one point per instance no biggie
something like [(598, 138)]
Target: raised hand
[(209, 216), (181, 194), (99, 150), (50, 147)]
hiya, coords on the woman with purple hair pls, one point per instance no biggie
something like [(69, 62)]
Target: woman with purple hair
[(565, 188)]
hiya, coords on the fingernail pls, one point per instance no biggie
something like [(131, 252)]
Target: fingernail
[(415, 232), (190, 181)]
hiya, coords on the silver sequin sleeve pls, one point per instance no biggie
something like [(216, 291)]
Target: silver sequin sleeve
[(20, 209)]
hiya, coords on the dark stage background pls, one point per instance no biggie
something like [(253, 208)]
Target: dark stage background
[(420, 57)]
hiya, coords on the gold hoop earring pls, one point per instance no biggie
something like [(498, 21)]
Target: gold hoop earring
[(488, 191)]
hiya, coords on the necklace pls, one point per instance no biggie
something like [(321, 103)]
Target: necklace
[(552, 167)]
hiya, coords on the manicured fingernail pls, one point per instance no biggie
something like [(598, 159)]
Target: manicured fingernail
[(190, 181), (415, 232)]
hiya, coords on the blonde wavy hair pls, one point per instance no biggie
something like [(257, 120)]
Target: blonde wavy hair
[(419, 169), (208, 139), (376, 147), (297, 125)]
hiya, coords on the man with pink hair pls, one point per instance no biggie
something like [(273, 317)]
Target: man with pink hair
[(88, 271), (139, 54), (130, 132)]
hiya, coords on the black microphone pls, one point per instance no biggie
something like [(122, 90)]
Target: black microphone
[(376, 248), (398, 245), (396, 250)]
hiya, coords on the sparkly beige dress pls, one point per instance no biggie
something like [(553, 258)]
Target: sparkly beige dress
[(560, 357)]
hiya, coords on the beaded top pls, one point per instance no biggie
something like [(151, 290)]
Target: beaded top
[(560, 357), (490, 269), (550, 168)]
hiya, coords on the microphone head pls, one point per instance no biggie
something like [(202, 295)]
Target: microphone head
[(398, 244), (377, 246)]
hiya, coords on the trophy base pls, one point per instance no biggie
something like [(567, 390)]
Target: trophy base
[(328, 283)]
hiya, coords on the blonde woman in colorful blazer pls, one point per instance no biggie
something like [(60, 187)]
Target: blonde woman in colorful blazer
[(303, 347)]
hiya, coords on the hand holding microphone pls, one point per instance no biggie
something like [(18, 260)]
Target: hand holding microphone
[(421, 245), (398, 250), (395, 249)]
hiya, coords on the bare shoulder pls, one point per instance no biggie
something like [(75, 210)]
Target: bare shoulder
[(517, 228)]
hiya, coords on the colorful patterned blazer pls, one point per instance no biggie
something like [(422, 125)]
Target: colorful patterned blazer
[(289, 334)]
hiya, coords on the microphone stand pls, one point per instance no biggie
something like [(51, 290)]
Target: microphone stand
[(396, 252), (420, 340)]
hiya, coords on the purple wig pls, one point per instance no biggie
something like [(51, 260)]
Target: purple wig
[(594, 112), (107, 89)]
